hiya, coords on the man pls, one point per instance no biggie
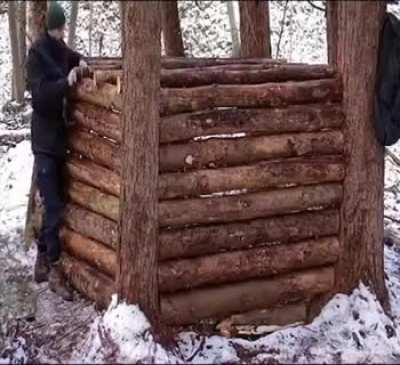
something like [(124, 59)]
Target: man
[(52, 70)]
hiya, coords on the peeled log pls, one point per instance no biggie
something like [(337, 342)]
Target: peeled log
[(241, 151), (248, 264), (215, 152), (95, 148), (220, 302), (179, 100), (88, 281), (264, 175), (294, 118), (91, 225), (94, 200), (248, 206), (225, 75), (92, 252), (104, 122), (89, 173), (218, 209), (199, 241), (181, 127)]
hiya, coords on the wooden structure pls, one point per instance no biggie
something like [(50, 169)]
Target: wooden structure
[(253, 165)]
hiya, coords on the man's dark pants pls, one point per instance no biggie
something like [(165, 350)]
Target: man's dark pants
[(51, 186)]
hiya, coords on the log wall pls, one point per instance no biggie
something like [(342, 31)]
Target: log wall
[(250, 187)]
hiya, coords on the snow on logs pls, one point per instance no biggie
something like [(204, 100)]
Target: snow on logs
[(251, 172)]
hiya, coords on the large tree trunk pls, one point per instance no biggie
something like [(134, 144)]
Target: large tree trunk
[(362, 209), (332, 30), (234, 30), (138, 249), (255, 37), (36, 20), (171, 29), (72, 24), (36, 26), (18, 75)]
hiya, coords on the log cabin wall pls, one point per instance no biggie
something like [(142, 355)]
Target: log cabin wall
[(250, 186)]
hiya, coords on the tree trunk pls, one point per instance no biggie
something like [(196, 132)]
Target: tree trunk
[(138, 250), (72, 24), (18, 76), (90, 48), (37, 19), (234, 30), (362, 209), (22, 38), (255, 37), (171, 29), (332, 30)]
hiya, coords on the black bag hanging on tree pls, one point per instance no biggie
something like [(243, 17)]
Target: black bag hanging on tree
[(387, 97)]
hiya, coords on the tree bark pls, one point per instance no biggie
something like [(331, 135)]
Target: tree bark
[(219, 302), (36, 26), (362, 210), (254, 29), (72, 24), (21, 20), (138, 251), (18, 75), (234, 29), (332, 30), (37, 19), (91, 225), (236, 266), (249, 206), (171, 29), (211, 239)]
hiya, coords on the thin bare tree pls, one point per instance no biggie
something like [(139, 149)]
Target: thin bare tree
[(72, 24)]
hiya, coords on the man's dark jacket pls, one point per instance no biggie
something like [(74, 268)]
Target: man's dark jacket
[(49, 63), (387, 98)]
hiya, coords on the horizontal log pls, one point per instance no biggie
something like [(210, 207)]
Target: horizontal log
[(218, 209), (104, 122), (252, 178), (95, 148), (246, 264), (225, 75), (219, 302), (261, 176), (183, 62), (241, 151), (91, 225), (294, 118), (179, 100), (92, 174), (88, 281), (90, 251), (94, 200), (199, 241), (215, 152), (248, 206)]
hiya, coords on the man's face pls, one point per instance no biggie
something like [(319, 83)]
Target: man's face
[(59, 33)]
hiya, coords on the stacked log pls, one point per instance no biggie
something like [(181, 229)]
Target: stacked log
[(250, 185)]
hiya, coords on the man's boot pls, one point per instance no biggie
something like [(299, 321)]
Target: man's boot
[(58, 284), (41, 269)]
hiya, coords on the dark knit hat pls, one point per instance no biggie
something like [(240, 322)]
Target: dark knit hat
[(55, 16)]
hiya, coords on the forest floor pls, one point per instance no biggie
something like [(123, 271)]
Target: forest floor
[(37, 326)]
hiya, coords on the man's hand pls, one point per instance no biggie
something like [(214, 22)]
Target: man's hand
[(83, 64), (73, 76)]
